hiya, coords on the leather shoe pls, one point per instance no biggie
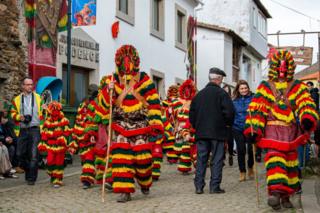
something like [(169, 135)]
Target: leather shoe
[(217, 191), (199, 191), (30, 183)]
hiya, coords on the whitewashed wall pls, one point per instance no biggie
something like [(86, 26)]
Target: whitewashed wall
[(232, 14), (214, 50), (155, 54)]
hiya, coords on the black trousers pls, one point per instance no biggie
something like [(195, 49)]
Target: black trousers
[(27, 151), (204, 147), (230, 142), (242, 148)]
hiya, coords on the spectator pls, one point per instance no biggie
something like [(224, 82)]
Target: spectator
[(26, 111), (10, 140), (5, 165), (210, 113), (230, 141), (242, 97), (314, 93)]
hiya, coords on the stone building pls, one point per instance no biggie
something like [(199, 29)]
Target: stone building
[(12, 48)]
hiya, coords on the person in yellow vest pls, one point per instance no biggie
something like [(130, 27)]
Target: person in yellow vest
[(26, 111)]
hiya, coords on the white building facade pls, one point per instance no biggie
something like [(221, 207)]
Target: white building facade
[(157, 28), (246, 19), (84, 64)]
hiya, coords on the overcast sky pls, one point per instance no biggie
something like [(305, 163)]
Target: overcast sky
[(286, 20)]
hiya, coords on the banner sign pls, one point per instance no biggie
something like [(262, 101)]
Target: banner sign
[(84, 12), (301, 55)]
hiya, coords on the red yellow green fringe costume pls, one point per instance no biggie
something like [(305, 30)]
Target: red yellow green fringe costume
[(274, 112), (168, 140), (136, 121), (171, 106), (184, 143), (81, 140), (54, 141)]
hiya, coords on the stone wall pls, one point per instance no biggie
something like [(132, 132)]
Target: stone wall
[(13, 66)]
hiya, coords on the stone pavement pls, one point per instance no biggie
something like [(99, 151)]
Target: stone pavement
[(172, 193)]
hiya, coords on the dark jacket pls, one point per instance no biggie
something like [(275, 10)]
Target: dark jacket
[(315, 96), (241, 105), (7, 131), (211, 111)]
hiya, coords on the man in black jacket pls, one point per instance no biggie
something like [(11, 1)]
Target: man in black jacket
[(211, 112)]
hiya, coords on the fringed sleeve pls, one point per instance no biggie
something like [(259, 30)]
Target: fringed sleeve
[(300, 97), (101, 105), (258, 110), (147, 90)]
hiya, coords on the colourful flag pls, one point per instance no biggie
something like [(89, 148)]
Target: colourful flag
[(45, 18), (84, 12)]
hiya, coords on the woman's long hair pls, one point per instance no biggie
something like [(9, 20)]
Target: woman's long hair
[(236, 93)]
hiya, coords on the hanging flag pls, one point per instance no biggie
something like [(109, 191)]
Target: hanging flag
[(191, 45), (84, 12), (45, 18)]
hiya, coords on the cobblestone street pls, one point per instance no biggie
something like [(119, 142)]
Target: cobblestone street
[(173, 193)]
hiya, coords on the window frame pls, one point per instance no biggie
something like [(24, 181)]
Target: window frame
[(254, 18), (181, 45), (159, 75), (262, 29), (128, 18), (161, 32)]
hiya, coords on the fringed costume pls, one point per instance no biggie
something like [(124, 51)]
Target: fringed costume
[(184, 143), (82, 141), (168, 140), (170, 106), (281, 116), (54, 141), (136, 123)]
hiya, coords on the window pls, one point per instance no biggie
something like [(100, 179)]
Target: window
[(158, 80), (262, 25), (125, 10), (254, 17), (157, 18), (123, 6), (181, 28), (79, 83)]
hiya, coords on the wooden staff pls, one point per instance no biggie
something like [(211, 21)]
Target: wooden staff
[(108, 143), (256, 177)]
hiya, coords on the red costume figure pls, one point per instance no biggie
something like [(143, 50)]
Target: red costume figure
[(54, 141), (184, 143), (136, 123), (82, 141), (281, 116), (170, 105)]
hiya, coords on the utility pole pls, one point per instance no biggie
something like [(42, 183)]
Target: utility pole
[(68, 53)]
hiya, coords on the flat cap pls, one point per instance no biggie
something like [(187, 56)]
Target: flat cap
[(217, 71)]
